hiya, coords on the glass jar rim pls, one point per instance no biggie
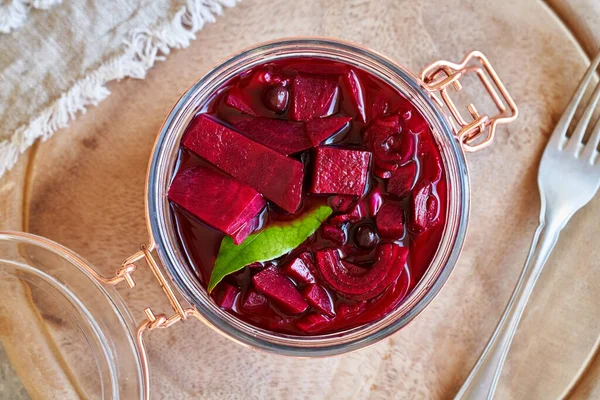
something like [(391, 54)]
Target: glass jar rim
[(162, 164)]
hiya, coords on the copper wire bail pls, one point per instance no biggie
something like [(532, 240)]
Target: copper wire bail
[(152, 321), (479, 132)]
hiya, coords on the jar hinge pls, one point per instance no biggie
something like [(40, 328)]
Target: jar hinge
[(152, 321)]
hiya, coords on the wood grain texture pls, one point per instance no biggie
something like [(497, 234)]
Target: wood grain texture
[(88, 186), (582, 17)]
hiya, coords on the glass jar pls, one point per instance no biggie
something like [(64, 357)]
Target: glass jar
[(454, 135), (163, 233)]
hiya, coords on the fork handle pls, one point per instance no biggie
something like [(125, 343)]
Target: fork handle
[(483, 379)]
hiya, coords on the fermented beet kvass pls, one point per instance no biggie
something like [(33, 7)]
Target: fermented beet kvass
[(328, 168)]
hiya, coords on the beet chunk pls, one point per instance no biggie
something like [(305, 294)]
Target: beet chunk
[(339, 171), (379, 108), (357, 91), (402, 180), (392, 146), (313, 322), (351, 311), (313, 97), (319, 299), (415, 123), (341, 203), (334, 234), (285, 137), (265, 77), (390, 221), (245, 230), (217, 200), (300, 268), (321, 129), (337, 273), (432, 162), (280, 290), (275, 176), (254, 301), (425, 211), (227, 295), (238, 100)]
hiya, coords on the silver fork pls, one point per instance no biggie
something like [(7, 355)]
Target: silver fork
[(568, 178)]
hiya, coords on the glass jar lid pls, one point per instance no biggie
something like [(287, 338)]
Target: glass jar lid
[(63, 333)]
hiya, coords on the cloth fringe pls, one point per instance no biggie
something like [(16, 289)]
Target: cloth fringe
[(143, 48), (13, 13)]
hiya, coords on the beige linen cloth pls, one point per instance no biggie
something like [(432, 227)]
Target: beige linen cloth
[(56, 59)]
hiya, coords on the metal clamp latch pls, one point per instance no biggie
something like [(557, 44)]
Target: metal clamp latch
[(479, 132), (152, 321)]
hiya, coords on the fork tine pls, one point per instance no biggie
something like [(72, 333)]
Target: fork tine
[(592, 144), (576, 139), (563, 124)]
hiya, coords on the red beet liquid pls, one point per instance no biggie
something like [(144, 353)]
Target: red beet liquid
[(389, 212)]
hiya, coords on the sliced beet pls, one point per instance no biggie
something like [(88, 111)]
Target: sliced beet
[(382, 173), (280, 290), (379, 108), (425, 207), (312, 323), (382, 135), (226, 296), (313, 97), (256, 265), (285, 137), (239, 100), (341, 203), (431, 160), (390, 221), (390, 262), (354, 215), (321, 129), (374, 201), (254, 301), (389, 300), (334, 234), (277, 177), (354, 211), (350, 311), (414, 122), (392, 146), (407, 146), (402, 180), (300, 269), (358, 96), (217, 200), (391, 121), (339, 171), (319, 299)]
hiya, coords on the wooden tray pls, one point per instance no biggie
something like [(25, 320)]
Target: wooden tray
[(84, 188)]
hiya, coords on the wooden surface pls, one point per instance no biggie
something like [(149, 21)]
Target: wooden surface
[(84, 188)]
